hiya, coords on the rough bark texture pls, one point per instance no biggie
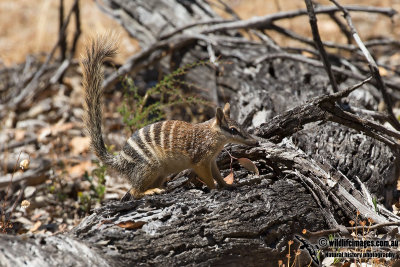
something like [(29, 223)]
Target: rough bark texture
[(314, 179), (43, 250), (192, 227), (355, 155)]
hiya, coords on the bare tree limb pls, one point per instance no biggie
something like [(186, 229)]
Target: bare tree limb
[(319, 45), (63, 41), (308, 41), (324, 108), (372, 65), (265, 21), (78, 31), (350, 229), (191, 25), (342, 27)]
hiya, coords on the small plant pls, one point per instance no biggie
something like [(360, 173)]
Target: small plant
[(5, 219), (138, 111), (375, 202), (297, 253), (97, 188), (58, 184)]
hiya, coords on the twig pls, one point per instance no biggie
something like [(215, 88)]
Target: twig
[(348, 47), (265, 21), (386, 41), (349, 229), (67, 62), (162, 47), (77, 29), (232, 12), (372, 65), (60, 71), (319, 45), (267, 40), (308, 41), (191, 25), (229, 10), (379, 116), (63, 41), (300, 50), (370, 128), (342, 27), (350, 89)]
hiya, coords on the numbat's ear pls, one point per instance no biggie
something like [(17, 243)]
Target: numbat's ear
[(219, 116), (227, 110)]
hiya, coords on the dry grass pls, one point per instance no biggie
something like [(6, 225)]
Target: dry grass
[(31, 27)]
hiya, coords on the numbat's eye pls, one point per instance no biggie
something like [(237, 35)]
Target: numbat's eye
[(233, 131)]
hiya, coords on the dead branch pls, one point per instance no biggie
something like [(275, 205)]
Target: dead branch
[(350, 229), (325, 109), (265, 21), (319, 45), (191, 25), (372, 65), (77, 32), (63, 40), (347, 47)]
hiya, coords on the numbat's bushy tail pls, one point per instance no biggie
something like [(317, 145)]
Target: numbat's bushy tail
[(99, 49), (162, 148)]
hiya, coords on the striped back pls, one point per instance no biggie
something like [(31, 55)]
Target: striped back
[(160, 141)]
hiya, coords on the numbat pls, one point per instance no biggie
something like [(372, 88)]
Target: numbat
[(162, 148)]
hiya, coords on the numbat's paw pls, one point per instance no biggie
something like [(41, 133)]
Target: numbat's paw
[(154, 191)]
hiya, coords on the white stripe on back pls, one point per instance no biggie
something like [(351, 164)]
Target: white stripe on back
[(172, 135), (162, 135), (127, 157), (148, 146), (137, 149), (153, 138)]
